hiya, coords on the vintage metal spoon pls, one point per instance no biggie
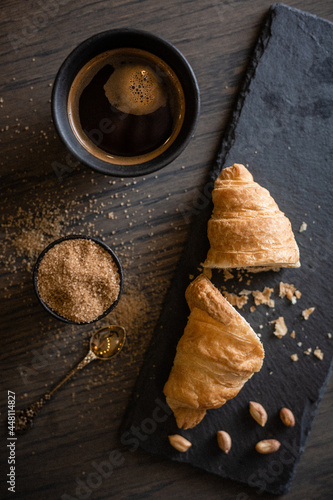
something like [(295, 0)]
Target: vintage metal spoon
[(104, 344)]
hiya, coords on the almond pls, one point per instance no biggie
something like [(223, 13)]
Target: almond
[(179, 442), (224, 441), (287, 417), (267, 446), (258, 412)]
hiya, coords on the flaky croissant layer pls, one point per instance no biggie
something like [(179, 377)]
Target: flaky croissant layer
[(216, 355), (247, 228)]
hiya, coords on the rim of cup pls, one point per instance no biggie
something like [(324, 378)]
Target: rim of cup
[(121, 38)]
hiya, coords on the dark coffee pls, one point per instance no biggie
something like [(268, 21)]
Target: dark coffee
[(126, 106)]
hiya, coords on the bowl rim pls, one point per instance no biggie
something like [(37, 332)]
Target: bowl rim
[(102, 42), (75, 237)]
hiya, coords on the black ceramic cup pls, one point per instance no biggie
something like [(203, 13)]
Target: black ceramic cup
[(74, 237), (125, 143)]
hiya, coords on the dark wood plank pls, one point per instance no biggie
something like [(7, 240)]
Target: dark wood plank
[(77, 432)]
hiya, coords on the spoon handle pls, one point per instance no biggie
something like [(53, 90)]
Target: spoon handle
[(24, 418)]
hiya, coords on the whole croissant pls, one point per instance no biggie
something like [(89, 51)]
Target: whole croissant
[(216, 355), (247, 229)]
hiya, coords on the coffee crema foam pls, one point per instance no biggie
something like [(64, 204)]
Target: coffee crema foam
[(135, 89), (126, 106)]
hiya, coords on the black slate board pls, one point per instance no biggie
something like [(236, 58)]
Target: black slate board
[(281, 128)]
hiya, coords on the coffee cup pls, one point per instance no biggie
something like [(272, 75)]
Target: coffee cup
[(125, 102)]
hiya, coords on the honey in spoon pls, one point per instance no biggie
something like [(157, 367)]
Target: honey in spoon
[(104, 344)]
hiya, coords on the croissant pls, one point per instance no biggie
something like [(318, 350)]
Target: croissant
[(217, 353), (247, 228)]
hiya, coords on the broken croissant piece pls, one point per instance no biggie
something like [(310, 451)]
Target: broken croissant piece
[(247, 229), (217, 353)]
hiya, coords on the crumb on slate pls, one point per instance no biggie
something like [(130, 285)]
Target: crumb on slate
[(236, 300), (306, 313), (280, 327), (318, 353), (303, 227), (263, 297)]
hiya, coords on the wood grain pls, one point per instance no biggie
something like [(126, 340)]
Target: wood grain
[(73, 451)]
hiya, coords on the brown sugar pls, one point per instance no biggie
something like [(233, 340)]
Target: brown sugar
[(78, 279)]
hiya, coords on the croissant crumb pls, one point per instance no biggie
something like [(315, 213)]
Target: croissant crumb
[(306, 313), (280, 327), (263, 297), (235, 300)]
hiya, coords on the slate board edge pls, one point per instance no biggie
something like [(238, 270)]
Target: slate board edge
[(181, 275)]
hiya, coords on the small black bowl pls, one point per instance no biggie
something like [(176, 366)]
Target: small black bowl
[(103, 42), (75, 237)]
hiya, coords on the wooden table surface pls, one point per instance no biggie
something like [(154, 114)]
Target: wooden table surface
[(73, 450)]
